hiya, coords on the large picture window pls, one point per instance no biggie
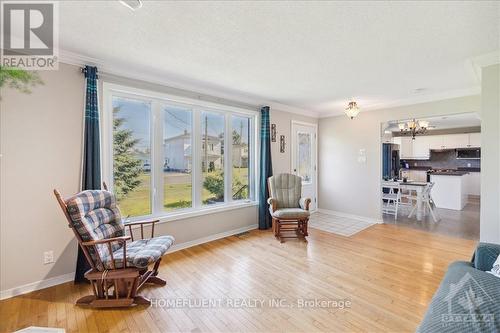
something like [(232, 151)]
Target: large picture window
[(132, 155), (177, 165), (170, 156)]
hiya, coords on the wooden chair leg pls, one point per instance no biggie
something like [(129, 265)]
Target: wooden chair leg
[(277, 232), (304, 226)]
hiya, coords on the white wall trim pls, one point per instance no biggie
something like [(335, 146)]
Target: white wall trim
[(34, 286), (42, 284), (475, 64), (351, 216), (107, 68), (424, 98), (472, 65), (292, 154), (211, 238)]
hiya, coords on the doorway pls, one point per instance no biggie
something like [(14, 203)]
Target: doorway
[(304, 158)]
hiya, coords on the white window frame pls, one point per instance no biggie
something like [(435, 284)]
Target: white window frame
[(158, 100)]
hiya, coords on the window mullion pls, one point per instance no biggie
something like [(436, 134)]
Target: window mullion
[(157, 158), (228, 147), (196, 159)]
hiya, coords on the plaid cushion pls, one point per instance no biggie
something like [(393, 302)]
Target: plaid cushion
[(141, 253), (96, 216)]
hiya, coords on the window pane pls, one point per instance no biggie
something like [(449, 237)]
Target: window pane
[(304, 156), (212, 157), (177, 182), (241, 157), (132, 156)]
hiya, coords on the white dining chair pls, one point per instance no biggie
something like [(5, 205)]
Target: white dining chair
[(391, 198), (428, 203)]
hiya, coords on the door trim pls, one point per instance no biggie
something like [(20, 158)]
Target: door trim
[(292, 154)]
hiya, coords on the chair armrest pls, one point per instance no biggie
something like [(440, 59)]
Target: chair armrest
[(121, 239), (131, 223), (108, 241), (485, 256), (304, 203), (272, 203), (141, 223)]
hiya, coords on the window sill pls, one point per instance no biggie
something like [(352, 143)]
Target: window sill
[(185, 214)]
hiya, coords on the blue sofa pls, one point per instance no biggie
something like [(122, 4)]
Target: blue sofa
[(468, 299)]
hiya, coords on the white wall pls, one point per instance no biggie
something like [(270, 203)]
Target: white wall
[(282, 161), (347, 186), (490, 154)]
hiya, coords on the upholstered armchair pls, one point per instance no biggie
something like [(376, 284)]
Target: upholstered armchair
[(289, 211), (119, 264)]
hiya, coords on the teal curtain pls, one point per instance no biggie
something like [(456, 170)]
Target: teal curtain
[(91, 173), (266, 168)]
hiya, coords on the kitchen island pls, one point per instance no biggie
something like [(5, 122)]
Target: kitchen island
[(449, 189)]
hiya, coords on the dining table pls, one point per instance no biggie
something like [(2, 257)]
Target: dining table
[(416, 186)]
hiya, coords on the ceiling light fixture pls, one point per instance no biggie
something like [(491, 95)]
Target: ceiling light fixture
[(413, 127), (352, 110), (132, 4)]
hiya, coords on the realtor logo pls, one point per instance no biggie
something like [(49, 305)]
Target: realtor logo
[(467, 302), (29, 34)]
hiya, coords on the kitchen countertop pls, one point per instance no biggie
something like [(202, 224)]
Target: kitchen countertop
[(428, 168), (449, 173)]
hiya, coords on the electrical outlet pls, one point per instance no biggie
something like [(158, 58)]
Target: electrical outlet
[(48, 257)]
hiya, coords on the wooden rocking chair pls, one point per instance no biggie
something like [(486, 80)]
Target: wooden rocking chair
[(118, 269)]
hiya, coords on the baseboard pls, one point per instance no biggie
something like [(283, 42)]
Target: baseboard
[(185, 245), (42, 284), (351, 216), (34, 286)]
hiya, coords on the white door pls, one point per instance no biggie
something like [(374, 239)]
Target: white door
[(304, 145)]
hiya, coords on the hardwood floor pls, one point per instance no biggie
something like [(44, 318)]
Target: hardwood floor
[(388, 273), (455, 223)]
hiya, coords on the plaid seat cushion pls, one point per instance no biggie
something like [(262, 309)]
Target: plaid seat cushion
[(141, 253), (96, 216)]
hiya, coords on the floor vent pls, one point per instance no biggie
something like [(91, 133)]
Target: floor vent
[(243, 234)]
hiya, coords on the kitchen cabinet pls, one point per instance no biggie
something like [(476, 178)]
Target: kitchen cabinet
[(473, 183), (454, 141), (417, 149), (405, 148), (421, 148), (474, 140)]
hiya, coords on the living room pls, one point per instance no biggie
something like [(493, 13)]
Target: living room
[(240, 144)]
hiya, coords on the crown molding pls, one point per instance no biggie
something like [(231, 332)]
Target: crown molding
[(475, 64), (128, 72), (411, 101)]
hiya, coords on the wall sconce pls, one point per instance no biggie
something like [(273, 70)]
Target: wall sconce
[(273, 132), (282, 143)]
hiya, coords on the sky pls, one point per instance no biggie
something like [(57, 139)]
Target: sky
[(176, 119)]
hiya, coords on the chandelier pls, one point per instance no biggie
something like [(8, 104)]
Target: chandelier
[(413, 127), (352, 110)]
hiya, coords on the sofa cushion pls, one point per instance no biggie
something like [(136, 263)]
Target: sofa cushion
[(485, 255), (141, 253), (290, 213), (468, 300), (286, 190), (95, 216)]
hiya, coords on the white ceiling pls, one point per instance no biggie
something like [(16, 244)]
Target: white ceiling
[(313, 56)]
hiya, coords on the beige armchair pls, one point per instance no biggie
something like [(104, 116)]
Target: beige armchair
[(289, 211)]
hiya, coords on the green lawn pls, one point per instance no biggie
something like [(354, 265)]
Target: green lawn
[(177, 193)]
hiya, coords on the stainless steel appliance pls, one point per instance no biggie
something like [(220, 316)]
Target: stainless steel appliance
[(469, 154), (390, 161)]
